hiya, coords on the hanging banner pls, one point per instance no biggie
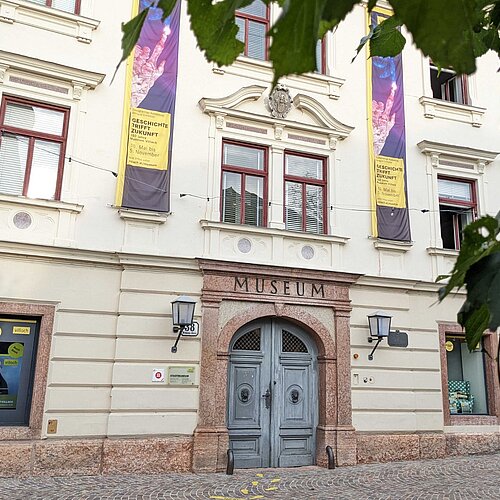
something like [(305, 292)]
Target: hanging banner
[(386, 128), (145, 160)]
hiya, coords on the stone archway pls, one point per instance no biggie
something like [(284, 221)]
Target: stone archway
[(325, 316)]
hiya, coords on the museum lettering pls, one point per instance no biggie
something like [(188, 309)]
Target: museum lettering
[(279, 287)]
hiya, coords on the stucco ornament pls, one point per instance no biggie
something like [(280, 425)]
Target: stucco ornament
[(279, 101)]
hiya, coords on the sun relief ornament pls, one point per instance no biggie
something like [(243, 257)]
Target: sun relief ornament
[(279, 101)]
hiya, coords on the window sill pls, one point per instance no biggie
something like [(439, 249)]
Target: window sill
[(443, 252), (28, 203), (262, 71), (133, 215), (395, 246), (437, 108), (456, 420), (39, 16)]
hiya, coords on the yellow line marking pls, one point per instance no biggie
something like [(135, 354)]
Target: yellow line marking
[(256, 497), (244, 491), (255, 483), (277, 480), (272, 488), (259, 475)]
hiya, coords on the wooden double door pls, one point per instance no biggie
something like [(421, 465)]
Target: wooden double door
[(272, 396)]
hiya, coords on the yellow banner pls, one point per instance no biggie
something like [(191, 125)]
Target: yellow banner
[(148, 139), (390, 182)]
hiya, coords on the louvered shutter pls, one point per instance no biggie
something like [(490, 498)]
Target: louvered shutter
[(455, 190)]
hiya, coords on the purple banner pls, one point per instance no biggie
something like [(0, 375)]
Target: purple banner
[(146, 180), (388, 158)]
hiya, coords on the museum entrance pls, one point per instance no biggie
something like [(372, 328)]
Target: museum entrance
[(272, 395)]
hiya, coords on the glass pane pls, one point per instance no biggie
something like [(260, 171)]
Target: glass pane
[(44, 168), (293, 206), (242, 156), (256, 8), (466, 380), (314, 209), (300, 166), (254, 200), (455, 190), (256, 40), (319, 57), (13, 157), (66, 5), (241, 29), (231, 197), (28, 117)]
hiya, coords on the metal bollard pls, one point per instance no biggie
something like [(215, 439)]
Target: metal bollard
[(230, 463), (331, 457)]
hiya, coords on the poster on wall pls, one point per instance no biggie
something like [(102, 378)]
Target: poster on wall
[(11, 360), (387, 142), (145, 161)]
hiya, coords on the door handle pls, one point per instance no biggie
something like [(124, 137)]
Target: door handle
[(268, 398)]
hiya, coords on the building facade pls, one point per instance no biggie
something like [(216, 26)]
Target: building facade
[(275, 211)]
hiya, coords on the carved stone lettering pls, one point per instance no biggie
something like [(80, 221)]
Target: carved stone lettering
[(279, 287)]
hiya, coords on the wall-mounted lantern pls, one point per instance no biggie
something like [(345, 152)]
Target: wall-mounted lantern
[(380, 329), (182, 318), (380, 326)]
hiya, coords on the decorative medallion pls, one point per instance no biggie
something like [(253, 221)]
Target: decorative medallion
[(244, 245), (307, 252), (279, 101), (22, 220)]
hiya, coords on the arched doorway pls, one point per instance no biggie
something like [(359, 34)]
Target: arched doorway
[(272, 395)]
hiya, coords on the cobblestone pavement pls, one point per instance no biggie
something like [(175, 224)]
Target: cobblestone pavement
[(464, 478)]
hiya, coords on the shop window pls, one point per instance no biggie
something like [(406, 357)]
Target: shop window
[(449, 86), (457, 208), (18, 344), (466, 377), (32, 146), (72, 6), (253, 24), (321, 56), (244, 184), (305, 190)]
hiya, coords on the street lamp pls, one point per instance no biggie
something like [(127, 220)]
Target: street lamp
[(182, 315)]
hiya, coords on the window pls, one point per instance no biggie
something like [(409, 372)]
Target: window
[(32, 146), (449, 86), (244, 184), (72, 6), (457, 208), (305, 183), (466, 377), (253, 24), (321, 56)]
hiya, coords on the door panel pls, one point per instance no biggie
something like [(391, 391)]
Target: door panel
[(281, 360)]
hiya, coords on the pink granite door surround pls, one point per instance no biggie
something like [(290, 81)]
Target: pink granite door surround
[(234, 294)]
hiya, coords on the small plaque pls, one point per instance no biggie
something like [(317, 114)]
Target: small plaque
[(181, 375), (398, 339), (52, 426), (191, 330), (158, 375), (21, 330)]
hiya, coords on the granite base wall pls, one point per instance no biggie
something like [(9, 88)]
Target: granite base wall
[(394, 447)]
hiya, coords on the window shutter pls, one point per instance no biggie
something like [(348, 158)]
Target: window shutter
[(256, 8), (300, 166), (254, 201), (231, 197), (241, 29), (319, 56), (256, 40), (244, 157), (314, 209), (13, 158), (66, 5), (28, 117), (44, 168), (455, 190)]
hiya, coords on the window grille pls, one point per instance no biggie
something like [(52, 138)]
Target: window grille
[(248, 342), (292, 343)]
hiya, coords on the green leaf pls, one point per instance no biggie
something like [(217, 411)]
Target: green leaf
[(216, 29), (387, 40), (131, 33), (297, 30), (475, 322), (442, 29), (363, 41), (166, 6)]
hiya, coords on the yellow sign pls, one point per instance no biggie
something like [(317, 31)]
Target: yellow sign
[(390, 182), (149, 134), (449, 346), (16, 350), (21, 330)]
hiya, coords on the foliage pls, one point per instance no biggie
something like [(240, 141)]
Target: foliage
[(453, 33)]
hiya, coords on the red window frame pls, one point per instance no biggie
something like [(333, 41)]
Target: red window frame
[(322, 70), (307, 181), (32, 136), (78, 4), (458, 203), (262, 20), (244, 172)]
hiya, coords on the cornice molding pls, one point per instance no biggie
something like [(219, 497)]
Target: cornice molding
[(250, 93), (438, 108), (463, 152)]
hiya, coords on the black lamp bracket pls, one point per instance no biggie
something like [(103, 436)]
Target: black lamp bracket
[(371, 339), (179, 329)]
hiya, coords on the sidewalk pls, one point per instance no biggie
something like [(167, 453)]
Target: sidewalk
[(464, 478)]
